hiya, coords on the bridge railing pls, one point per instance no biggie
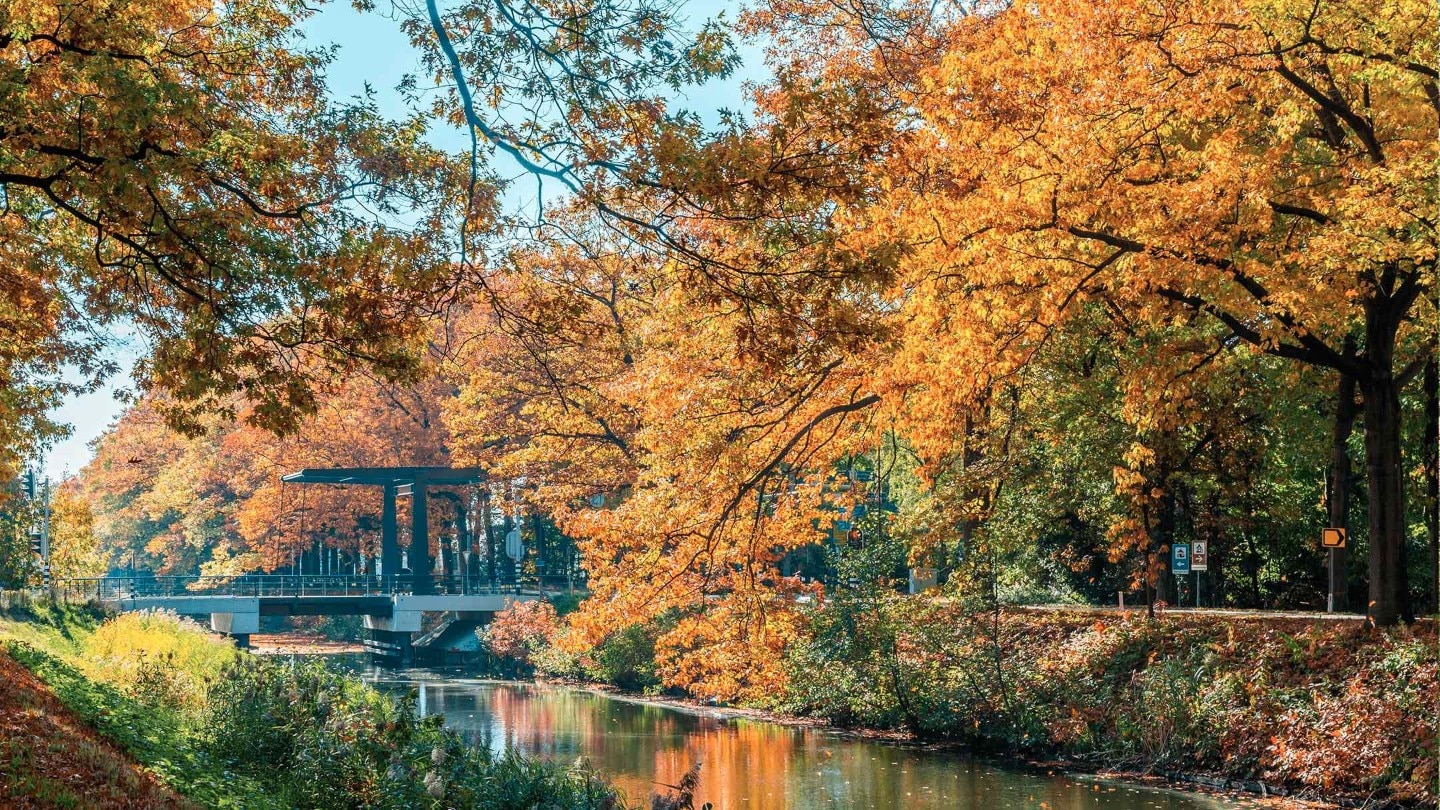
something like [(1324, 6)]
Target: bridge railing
[(113, 588)]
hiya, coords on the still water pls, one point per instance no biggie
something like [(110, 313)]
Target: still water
[(751, 764)]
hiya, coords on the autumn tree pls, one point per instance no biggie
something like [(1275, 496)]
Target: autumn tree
[(180, 169), (213, 502), (366, 422), (930, 196), (1265, 165), (148, 487), (18, 564), (74, 551), (623, 400)]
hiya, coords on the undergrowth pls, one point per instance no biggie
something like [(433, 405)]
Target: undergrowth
[(227, 729), (1329, 709)]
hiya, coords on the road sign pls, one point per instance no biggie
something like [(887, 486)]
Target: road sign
[(1332, 538), (1180, 558), (1200, 556)]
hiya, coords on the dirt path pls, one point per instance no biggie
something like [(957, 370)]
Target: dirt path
[(50, 758)]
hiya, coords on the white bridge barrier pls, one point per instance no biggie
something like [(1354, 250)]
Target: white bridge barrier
[(391, 609)]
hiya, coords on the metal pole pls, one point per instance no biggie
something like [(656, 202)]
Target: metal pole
[(45, 538), (1330, 598)]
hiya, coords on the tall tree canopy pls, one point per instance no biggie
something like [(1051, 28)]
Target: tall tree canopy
[(1026, 293), (931, 196), (179, 169), (1266, 166)]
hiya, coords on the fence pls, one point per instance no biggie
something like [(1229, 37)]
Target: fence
[(12, 599), (108, 589)]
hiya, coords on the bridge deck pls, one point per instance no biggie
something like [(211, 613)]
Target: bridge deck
[(301, 595), (326, 605), (114, 589), (235, 605)]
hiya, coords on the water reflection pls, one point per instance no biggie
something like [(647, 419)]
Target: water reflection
[(748, 764)]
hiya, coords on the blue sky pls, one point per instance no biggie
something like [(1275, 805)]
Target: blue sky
[(372, 50)]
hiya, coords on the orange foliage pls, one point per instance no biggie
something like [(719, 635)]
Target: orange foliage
[(215, 501), (521, 629)]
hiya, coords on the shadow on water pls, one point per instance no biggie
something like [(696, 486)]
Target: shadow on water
[(748, 763)]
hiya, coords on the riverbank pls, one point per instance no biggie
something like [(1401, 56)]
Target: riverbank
[(135, 711), (1306, 707), (302, 642), (1254, 794), (157, 700)]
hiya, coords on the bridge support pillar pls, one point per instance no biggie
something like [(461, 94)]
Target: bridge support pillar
[(238, 626), (420, 563), (389, 638), (389, 535)]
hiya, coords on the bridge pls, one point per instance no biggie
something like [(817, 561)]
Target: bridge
[(392, 611), (414, 483), (392, 592)]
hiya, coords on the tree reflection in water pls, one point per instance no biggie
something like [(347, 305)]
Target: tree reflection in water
[(754, 764)]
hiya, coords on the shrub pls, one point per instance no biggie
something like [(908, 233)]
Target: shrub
[(566, 603), (331, 741), (626, 659), (1328, 708), (158, 657), (520, 631)]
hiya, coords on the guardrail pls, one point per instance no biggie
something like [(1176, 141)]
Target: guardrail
[(109, 589), (26, 598)]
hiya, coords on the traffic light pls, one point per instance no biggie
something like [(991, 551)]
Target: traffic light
[(29, 485), (37, 543)]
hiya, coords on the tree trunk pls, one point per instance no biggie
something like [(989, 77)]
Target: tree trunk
[(1337, 500), (1432, 477), (1167, 589), (1389, 588)]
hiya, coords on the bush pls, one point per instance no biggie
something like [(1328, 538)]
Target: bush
[(520, 631), (329, 741), (1329, 708), (566, 603), (626, 659), (158, 657)]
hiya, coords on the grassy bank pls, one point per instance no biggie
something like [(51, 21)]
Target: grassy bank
[(1322, 709), (50, 757), (1325, 709), (209, 726)]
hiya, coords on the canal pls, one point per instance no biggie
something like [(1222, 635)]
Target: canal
[(748, 763)]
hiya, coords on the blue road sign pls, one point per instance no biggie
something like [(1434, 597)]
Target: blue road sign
[(1180, 558)]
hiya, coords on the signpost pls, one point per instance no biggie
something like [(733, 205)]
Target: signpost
[(1199, 561), (1330, 539), (1180, 558), (1179, 564)]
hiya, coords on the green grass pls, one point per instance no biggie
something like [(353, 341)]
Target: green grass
[(55, 626), (52, 641), (227, 729), (19, 772)]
